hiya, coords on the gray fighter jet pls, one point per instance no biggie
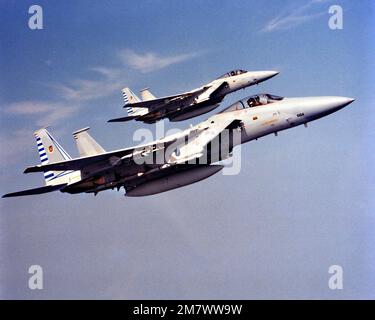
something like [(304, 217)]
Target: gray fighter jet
[(188, 104), (176, 160)]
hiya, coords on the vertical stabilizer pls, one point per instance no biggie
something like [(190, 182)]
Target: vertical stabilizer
[(146, 95), (50, 151), (130, 98), (86, 144)]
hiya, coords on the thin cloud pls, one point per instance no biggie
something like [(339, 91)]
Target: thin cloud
[(14, 144), (151, 61), (42, 113), (38, 114), (295, 17), (84, 90), (109, 73), (112, 79)]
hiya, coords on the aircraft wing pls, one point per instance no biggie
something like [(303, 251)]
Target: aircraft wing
[(216, 127), (212, 129), (108, 159), (167, 101), (40, 190), (213, 90), (160, 107), (124, 119)]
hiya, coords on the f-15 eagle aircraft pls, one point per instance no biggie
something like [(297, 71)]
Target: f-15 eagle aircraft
[(176, 160), (188, 104)]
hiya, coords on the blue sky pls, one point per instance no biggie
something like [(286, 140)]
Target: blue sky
[(303, 201)]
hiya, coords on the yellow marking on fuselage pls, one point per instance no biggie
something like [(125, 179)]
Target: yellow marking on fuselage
[(269, 122)]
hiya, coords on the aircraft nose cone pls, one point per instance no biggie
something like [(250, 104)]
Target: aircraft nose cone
[(269, 74), (339, 102), (317, 107), (348, 100), (260, 76), (322, 106)]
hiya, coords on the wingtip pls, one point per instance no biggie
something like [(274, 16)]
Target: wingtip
[(28, 170), (123, 119)]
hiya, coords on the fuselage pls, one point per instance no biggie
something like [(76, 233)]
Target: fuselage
[(176, 160), (288, 113), (272, 116), (252, 118), (239, 81), (229, 82)]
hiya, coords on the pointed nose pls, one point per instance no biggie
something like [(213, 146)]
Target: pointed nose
[(265, 75), (317, 107), (337, 103), (260, 76)]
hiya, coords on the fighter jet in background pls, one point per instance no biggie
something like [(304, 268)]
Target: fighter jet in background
[(188, 104), (176, 160)]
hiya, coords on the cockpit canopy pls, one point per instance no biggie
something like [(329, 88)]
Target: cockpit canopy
[(254, 101), (232, 73)]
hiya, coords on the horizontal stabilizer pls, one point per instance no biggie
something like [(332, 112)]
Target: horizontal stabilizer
[(40, 190), (123, 119)]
